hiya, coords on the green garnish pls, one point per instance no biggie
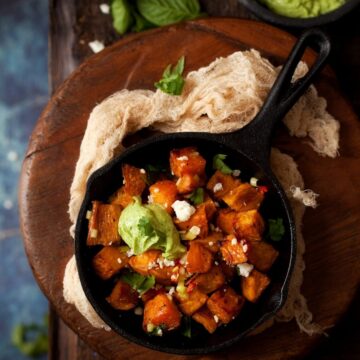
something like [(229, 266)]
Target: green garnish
[(139, 282), (145, 226), (153, 171), (172, 81), (197, 196), (122, 16), (218, 164), (31, 339), (276, 229), (187, 327)]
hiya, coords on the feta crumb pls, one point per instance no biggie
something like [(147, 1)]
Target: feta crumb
[(172, 290), (244, 269), (138, 310), (245, 248), (151, 265), (96, 46), (217, 187), (119, 260), (168, 262), (12, 155), (182, 158), (8, 204), (150, 199), (211, 243), (183, 210), (236, 173), (93, 233), (233, 241), (160, 262), (110, 243), (156, 190), (142, 171), (217, 204), (195, 230), (159, 332), (216, 263), (216, 318), (183, 260), (124, 181), (104, 8), (130, 253), (174, 277)]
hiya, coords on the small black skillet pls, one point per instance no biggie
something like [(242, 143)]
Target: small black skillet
[(248, 149)]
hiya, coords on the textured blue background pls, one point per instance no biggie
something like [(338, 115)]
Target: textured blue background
[(23, 93)]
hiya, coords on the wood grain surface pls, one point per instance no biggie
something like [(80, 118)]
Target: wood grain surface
[(54, 148)]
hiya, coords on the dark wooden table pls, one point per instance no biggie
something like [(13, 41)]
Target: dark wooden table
[(74, 23)]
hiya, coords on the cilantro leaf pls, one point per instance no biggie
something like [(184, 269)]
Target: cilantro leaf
[(218, 164), (139, 282), (276, 229), (197, 196), (186, 331), (172, 81), (122, 15), (145, 226)]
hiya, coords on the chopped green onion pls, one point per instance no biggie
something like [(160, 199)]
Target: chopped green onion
[(139, 282), (187, 327), (218, 164), (197, 196), (276, 229)]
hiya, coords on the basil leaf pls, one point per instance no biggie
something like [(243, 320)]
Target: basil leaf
[(121, 14), (276, 229), (172, 81), (140, 22), (218, 164), (197, 196), (165, 12), (139, 282)]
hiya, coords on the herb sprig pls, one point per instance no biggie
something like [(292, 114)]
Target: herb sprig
[(276, 229), (219, 164)]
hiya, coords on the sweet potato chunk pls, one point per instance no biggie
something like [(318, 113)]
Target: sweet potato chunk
[(206, 319), (151, 293), (225, 304), (161, 311), (233, 251), (228, 270), (211, 242), (198, 219), (262, 255), (123, 296), (121, 197), (210, 281), (187, 161), (225, 220), (227, 182), (199, 259), (188, 183), (109, 261), (210, 207), (249, 225), (103, 224), (244, 197), (164, 193), (253, 286), (192, 302)]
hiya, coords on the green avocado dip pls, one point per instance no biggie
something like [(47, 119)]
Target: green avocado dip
[(302, 8), (145, 227)]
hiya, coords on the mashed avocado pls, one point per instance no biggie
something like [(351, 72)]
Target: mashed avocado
[(145, 227), (302, 8)]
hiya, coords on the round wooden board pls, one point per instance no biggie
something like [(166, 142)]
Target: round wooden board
[(331, 231)]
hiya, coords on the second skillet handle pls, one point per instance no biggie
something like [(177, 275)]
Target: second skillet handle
[(255, 137)]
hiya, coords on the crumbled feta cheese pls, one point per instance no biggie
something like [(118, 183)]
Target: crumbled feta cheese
[(168, 262), (142, 171), (119, 260), (195, 230), (110, 243), (183, 260), (216, 318), (236, 173), (159, 332), (253, 181), (217, 204), (182, 158), (150, 327), (211, 243), (244, 269), (174, 277), (183, 210), (96, 46), (156, 190), (172, 290), (93, 233), (160, 262), (217, 187), (138, 310), (104, 8), (124, 181), (245, 247), (150, 199), (130, 253), (151, 265), (233, 241), (216, 263), (12, 155)]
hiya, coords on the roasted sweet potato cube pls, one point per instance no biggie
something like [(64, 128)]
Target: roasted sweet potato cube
[(164, 274), (210, 281), (121, 197), (144, 262), (123, 296), (244, 197), (192, 302), (103, 224), (253, 286), (164, 193), (187, 161), (227, 182), (206, 319), (151, 293), (188, 183), (232, 250), (109, 261), (134, 180), (161, 311), (212, 241), (262, 255), (228, 270), (199, 259), (225, 304), (210, 207), (225, 220), (249, 225), (198, 219)]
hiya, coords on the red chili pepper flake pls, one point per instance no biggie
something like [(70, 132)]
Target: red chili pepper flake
[(263, 189)]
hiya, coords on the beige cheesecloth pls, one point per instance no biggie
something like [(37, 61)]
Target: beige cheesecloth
[(221, 97)]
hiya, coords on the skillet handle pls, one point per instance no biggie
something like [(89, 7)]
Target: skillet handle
[(255, 138)]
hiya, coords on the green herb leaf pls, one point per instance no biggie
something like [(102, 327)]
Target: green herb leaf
[(139, 282), (276, 229), (218, 164), (172, 81), (122, 16), (165, 12), (186, 331), (197, 196), (145, 226), (141, 23)]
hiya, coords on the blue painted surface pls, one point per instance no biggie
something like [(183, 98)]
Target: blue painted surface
[(23, 94)]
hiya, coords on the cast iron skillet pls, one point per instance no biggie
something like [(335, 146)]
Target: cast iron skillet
[(248, 149)]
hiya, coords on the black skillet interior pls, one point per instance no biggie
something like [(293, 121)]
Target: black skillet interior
[(247, 150)]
